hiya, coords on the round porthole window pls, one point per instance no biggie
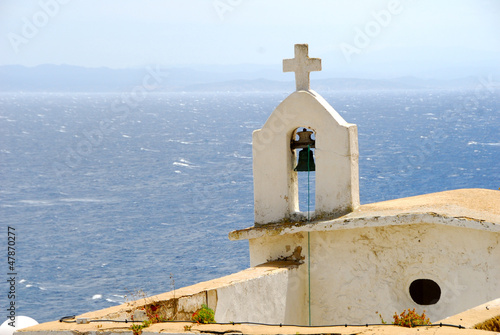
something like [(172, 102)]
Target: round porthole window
[(425, 291)]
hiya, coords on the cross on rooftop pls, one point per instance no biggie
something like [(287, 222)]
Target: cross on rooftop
[(301, 65)]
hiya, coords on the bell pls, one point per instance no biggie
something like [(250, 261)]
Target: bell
[(306, 161)]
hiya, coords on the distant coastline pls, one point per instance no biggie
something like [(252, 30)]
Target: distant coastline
[(66, 78)]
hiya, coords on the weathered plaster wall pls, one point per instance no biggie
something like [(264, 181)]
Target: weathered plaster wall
[(276, 247), (357, 272), (269, 293), (273, 298)]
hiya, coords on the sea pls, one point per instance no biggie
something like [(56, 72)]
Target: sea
[(115, 196)]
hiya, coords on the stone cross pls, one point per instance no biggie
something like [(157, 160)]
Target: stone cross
[(301, 65)]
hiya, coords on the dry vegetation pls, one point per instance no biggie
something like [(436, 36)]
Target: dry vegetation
[(492, 324)]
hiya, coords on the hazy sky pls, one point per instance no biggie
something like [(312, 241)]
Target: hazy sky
[(345, 34)]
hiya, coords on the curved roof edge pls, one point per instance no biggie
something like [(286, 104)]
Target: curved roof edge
[(294, 103)]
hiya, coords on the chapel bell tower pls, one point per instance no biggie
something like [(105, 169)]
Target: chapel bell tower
[(304, 134)]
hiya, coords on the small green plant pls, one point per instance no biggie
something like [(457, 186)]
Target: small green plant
[(137, 328), (204, 315), (187, 328), (381, 318), (152, 314), (410, 318), (153, 317), (156, 311)]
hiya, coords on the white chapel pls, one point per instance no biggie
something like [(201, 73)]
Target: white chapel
[(342, 262), (425, 252)]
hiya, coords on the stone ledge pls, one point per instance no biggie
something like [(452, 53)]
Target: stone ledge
[(466, 319), (476, 315), (464, 208), (178, 328)]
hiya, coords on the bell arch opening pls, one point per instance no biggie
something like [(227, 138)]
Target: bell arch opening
[(303, 147)]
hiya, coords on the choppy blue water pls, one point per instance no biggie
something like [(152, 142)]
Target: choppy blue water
[(109, 197)]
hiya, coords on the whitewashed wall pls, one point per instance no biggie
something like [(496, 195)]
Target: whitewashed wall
[(274, 298), (358, 272)]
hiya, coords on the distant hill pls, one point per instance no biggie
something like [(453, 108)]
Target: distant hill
[(66, 78)]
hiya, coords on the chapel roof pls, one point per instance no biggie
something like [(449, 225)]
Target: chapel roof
[(476, 203), (467, 208)]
